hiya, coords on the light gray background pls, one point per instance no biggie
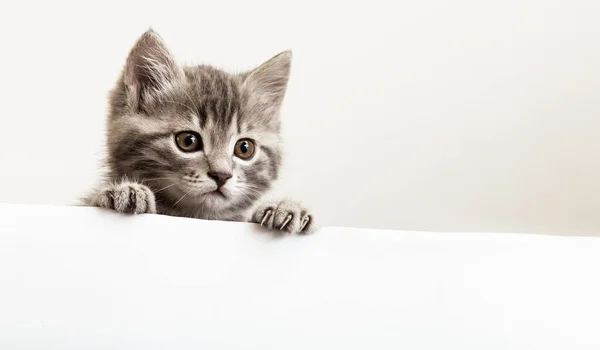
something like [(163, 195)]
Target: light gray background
[(430, 115)]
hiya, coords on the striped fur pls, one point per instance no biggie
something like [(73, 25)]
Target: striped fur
[(155, 98)]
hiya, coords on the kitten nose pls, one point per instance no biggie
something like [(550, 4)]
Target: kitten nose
[(219, 177)]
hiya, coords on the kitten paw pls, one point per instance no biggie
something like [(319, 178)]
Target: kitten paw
[(285, 217), (125, 197)]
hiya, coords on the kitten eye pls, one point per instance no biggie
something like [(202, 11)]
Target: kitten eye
[(244, 149), (188, 141)]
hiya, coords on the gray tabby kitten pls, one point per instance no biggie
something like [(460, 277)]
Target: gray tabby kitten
[(196, 141)]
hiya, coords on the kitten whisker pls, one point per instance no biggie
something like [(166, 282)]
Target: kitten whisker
[(188, 192), (251, 189), (164, 188), (160, 178)]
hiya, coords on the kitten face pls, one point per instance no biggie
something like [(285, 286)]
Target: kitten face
[(205, 141)]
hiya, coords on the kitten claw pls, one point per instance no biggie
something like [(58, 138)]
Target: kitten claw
[(287, 221), (266, 217), (284, 217), (305, 222)]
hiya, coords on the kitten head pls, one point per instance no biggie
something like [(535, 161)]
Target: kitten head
[(206, 141)]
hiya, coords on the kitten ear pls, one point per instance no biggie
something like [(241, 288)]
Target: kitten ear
[(150, 71), (266, 84)]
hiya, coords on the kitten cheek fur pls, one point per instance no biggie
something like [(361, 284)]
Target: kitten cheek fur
[(155, 98)]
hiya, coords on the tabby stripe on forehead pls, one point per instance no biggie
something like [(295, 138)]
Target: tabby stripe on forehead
[(229, 99), (215, 114), (205, 82), (233, 101), (220, 99), (202, 114)]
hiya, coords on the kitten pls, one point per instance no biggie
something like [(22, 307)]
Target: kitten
[(196, 141)]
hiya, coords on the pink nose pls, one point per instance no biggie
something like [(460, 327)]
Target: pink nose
[(219, 177)]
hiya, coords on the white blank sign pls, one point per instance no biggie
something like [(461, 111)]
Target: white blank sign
[(83, 278)]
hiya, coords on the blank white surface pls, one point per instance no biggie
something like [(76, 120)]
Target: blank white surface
[(82, 278), (445, 115)]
